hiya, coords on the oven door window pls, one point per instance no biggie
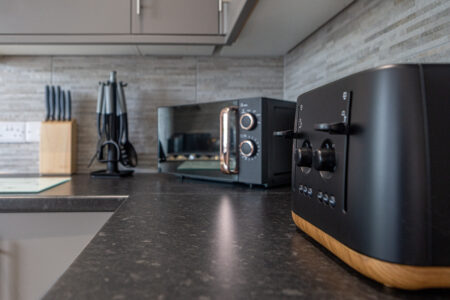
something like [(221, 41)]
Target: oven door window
[(189, 139)]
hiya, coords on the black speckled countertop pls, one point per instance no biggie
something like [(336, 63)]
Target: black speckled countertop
[(173, 239)]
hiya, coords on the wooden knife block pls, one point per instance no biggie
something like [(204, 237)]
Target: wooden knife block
[(58, 148)]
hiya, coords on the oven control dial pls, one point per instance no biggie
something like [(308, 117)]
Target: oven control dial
[(325, 159), (303, 157), (247, 148), (247, 121)]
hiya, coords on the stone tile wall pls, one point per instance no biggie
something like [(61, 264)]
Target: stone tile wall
[(369, 33), (152, 82), (366, 34)]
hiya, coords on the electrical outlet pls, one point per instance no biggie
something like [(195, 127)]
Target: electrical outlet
[(12, 132), (33, 132)]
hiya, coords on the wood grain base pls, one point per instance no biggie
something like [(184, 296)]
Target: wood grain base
[(390, 274), (58, 148)]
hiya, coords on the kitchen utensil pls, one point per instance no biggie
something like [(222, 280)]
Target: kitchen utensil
[(53, 103), (101, 122), (47, 102), (58, 140), (63, 105), (100, 102), (128, 155), (58, 148), (58, 103), (111, 145), (69, 106), (108, 116), (110, 128)]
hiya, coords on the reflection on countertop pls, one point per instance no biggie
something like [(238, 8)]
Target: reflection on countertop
[(174, 238)]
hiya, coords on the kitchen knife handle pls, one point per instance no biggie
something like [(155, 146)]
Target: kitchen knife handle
[(69, 106), (47, 102), (225, 143), (58, 102), (63, 105), (53, 103)]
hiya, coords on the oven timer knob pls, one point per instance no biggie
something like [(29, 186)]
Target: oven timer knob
[(247, 121), (247, 148)]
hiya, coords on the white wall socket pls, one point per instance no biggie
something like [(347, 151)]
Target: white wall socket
[(12, 132), (33, 132), (20, 132)]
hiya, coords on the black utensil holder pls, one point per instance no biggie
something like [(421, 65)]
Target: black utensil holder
[(113, 143)]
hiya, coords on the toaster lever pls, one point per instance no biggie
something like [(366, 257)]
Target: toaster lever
[(288, 134), (332, 128)]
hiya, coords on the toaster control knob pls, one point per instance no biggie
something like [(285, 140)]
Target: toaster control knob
[(324, 160), (303, 157), (247, 148), (247, 121)]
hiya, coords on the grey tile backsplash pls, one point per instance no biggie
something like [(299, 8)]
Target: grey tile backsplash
[(366, 34), (369, 33), (152, 82)]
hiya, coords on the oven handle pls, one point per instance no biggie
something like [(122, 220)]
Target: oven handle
[(225, 140)]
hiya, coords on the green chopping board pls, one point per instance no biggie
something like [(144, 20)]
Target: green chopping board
[(29, 185)]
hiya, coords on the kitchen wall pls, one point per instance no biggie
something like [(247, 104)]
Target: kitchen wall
[(367, 34), (152, 82)]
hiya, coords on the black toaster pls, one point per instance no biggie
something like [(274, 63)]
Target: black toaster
[(371, 172)]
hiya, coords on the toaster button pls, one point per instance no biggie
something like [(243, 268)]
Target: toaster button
[(305, 189), (310, 192), (300, 188), (332, 201), (319, 196), (325, 198)]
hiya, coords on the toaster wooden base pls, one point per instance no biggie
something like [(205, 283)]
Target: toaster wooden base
[(390, 274)]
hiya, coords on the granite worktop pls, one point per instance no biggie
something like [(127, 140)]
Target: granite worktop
[(174, 239)]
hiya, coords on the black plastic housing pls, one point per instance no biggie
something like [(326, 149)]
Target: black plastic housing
[(269, 166), (392, 175)]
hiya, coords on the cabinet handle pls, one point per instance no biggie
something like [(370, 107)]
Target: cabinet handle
[(138, 7), (221, 4)]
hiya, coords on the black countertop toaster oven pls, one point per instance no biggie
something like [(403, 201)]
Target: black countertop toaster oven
[(230, 141), (371, 172)]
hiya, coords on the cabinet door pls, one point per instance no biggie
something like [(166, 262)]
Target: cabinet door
[(65, 16), (175, 17)]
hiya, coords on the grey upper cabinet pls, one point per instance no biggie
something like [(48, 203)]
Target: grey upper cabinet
[(65, 16), (75, 23), (178, 17)]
